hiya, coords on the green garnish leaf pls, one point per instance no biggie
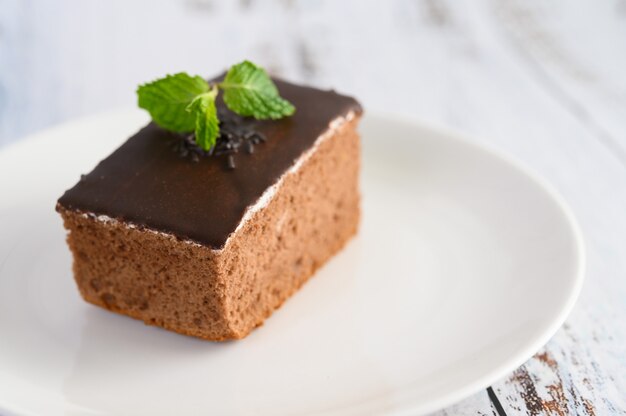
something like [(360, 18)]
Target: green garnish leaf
[(183, 103), (167, 99), (249, 91), (207, 124)]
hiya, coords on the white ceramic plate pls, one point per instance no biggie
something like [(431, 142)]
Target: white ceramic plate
[(464, 266)]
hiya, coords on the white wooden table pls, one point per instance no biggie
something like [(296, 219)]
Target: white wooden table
[(542, 81)]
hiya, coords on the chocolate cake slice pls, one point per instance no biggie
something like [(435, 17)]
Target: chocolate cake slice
[(192, 245)]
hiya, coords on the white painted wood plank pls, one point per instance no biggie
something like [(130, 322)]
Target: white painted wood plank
[(477, 405), (579, 54)]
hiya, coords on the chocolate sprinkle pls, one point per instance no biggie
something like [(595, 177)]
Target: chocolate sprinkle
[(236, 134), (231, 162)]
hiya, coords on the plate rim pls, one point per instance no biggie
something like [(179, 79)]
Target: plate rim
[(500, 370)]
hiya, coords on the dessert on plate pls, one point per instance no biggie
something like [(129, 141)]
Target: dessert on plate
[(205, 222)]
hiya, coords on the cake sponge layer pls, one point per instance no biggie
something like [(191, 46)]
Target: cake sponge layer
[(220, 294)]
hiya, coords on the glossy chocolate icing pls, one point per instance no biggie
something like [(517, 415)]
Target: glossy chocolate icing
[(147, 183)]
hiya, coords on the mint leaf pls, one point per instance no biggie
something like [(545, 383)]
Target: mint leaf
[(167, 99), (249, 91), (206, 123)]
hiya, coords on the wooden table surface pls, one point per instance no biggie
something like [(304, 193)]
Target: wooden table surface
[(542, 81)]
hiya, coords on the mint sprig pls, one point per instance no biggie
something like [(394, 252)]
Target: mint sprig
[(184, 103)]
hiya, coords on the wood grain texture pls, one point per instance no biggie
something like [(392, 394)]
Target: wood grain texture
[(543, 81)]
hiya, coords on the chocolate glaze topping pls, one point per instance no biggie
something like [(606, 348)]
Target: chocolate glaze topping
[(147, 183)]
